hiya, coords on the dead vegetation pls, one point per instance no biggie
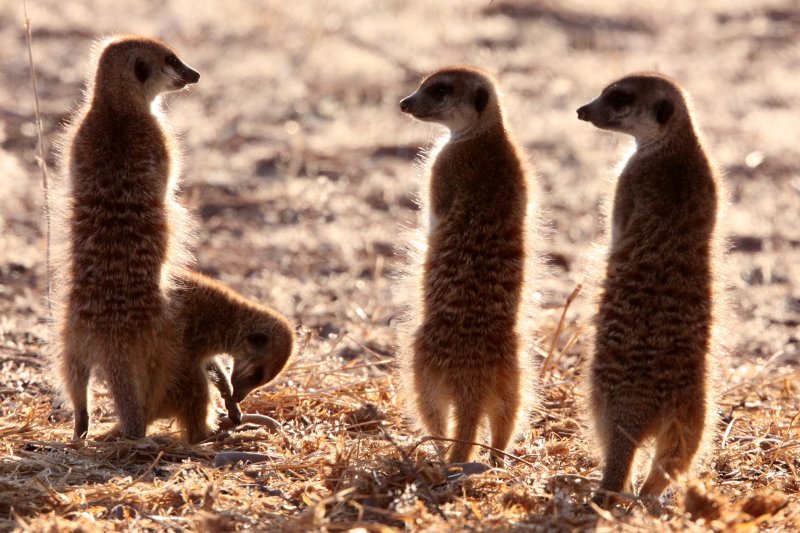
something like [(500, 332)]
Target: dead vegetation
[(299, 171)]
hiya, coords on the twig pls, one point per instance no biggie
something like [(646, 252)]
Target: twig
[(149, 469), (491, 448), (557, 333), (728, 431), (40, 158)]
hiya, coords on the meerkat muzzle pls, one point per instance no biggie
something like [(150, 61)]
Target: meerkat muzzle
[(405, 104), (188, 74)]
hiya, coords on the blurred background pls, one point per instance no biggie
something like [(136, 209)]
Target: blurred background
[(299, 167), (300, 170)]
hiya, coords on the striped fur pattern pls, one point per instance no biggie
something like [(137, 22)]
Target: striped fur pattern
[(652, 368)]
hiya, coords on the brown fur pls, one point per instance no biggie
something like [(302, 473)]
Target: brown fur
[(122, 168), (469, 348), (651, 370), (211, 319)]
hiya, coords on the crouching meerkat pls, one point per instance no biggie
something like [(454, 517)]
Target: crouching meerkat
[(210, 319), (123, 228), (468, 340), (652, 363)]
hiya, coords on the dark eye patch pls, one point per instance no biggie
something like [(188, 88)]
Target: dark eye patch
[(142, 70), (258, 340), (439, 90), (619, 98), (172, 61)]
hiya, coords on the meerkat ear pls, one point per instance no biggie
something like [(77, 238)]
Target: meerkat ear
[(142, 70), (481, 99), (664, 110)]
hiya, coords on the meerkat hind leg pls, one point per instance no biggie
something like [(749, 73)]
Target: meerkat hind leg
[(195, 416), (76, 380), (468, 416), (620, 451), (432, 405), (674, 451), (503, 416), (195, 422), (127, 389)]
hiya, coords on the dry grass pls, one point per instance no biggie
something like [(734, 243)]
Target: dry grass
[(299, 171), (344, 459)]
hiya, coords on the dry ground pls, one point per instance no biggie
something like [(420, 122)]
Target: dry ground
[(299, 171)]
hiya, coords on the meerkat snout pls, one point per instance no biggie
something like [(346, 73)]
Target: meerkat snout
[(173, 74), (454, 98), (180, 73)]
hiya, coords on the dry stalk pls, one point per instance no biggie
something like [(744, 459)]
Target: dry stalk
[(557, 333), (40, 158)]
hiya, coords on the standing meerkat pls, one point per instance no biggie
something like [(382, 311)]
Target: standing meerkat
[(468, 344), (210, 319), (651, 370), (123, 225)]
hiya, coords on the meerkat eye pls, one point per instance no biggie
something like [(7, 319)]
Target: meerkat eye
[(258, 340), (172, 60), (440, 90), (620, 99), (142, 70)]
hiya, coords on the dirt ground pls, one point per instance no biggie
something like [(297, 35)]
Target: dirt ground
[(299, 170)]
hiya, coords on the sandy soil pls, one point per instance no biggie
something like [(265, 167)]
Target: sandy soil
[(299, 171)]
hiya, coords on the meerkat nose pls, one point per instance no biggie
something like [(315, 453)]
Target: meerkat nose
[(189, 75), (405, 104), (583, 114)]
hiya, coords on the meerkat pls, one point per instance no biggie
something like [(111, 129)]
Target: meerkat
[(468, 350), (122, 166), (210, 319), (654, 350)]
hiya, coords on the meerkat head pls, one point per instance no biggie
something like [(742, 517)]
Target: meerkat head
[(644, 105), (139, 68), (459, 98), (265, 346)]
